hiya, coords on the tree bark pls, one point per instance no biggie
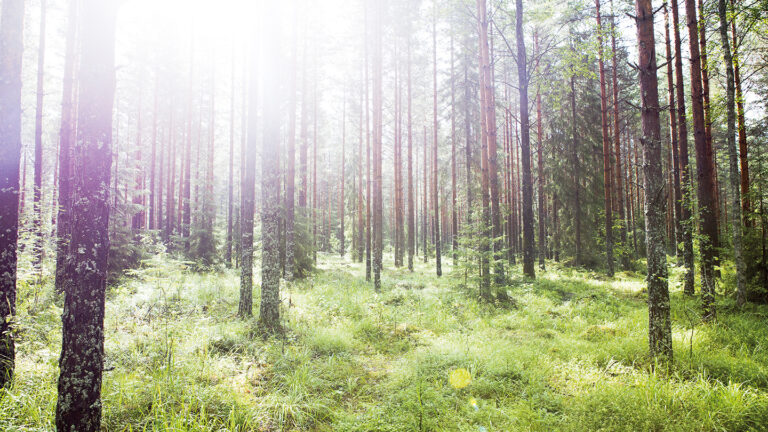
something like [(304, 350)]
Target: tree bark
[(377, 137), (705, 170), (607, 170), (269, 311), (525, 147), (85, 277), (11, 49), (659, 322), (66, 139), (247, 190), (411, 210), (290, 175), (677, 194), (743, 150), (735, 193), (685, 170), (435, 197), (625, 264)]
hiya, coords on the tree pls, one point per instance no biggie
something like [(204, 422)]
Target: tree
[(540, 156), (377, 126), (617, 147), (247, 192), (290, 175), (659, 323), (685, 170), (269, 311), (705, 170), (607, 170), (411, 203), (525, 146), (66, 139), (11, 48), (38, 188), (85, 276), (435, 197), (676, 192), (734, 180)]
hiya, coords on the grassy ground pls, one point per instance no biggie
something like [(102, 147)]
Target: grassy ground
[(569, 354)]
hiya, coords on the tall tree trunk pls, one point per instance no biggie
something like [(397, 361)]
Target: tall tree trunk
[(368, 172), (435, 198), (607, 170), (231, 175), (735, 193), (38, 186), (705, 170), (342, 246), (575, 162), (454, 213), (66, 140), (377, 137), (247, 188), (468, 140), (493, 172), (540, 169), (11, 48), (85, 278), (677, 194), (525, 146), (290, 175), (617, 148), (411, 210), (269, 312), (743, 151), (659, 322), (685, 170), (708, 115)]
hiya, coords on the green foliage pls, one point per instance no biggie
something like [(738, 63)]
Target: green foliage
[(571, 356)]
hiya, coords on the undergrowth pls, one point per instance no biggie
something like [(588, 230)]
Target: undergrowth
[(568, 353)]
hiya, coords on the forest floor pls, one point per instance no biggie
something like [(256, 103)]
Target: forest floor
[(569, 353)]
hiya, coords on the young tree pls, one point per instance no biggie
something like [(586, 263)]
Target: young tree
[(85, 277), (734, 180), (659, 323), (525, 147), (411, 203), (705, 170), (11, 47)]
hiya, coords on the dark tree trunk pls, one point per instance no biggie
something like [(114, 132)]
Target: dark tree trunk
[(11, 48), (525, 148), (66, 139), (685, 170), (705, 170), (659, 323), (607, 170), (85, 277), (734, 180)]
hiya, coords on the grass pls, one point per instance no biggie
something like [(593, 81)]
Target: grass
[(570, 353)]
